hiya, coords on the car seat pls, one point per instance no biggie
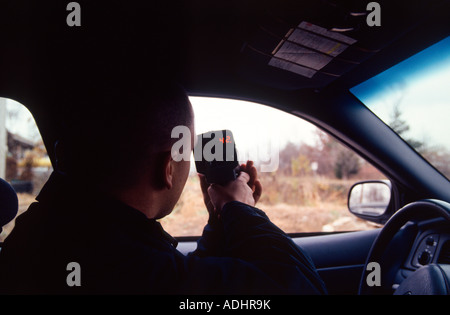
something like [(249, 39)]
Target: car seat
[(9, 204)]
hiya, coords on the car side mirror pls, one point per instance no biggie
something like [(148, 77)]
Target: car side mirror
[(369, 200)]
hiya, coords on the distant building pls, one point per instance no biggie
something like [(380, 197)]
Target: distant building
[(18, 145)]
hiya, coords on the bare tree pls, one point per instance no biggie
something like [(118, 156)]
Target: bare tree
[(401, 127)]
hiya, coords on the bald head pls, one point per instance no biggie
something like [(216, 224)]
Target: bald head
[(112, 135)]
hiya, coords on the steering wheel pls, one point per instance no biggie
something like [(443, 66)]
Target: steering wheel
[(429, 279)]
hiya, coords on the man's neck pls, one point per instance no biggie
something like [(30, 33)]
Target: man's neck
[(141, 200)]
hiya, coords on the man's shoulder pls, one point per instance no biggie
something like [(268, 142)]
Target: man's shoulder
[(55, 231), (112, 258)]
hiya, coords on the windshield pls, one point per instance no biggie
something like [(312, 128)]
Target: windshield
[(413, 98)]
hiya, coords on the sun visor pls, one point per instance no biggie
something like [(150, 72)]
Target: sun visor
[(308, 48), (306, 55), (311, 44)]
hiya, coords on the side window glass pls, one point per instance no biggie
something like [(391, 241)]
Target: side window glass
[(24, 162), (306, 174)]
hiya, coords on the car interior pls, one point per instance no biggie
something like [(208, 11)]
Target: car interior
[(251, 51)]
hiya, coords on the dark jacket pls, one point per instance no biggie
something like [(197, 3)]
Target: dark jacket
[(120, 251)]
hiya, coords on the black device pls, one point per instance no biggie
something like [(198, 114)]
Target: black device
[(216, 157)]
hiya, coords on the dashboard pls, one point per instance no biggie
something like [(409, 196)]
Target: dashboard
[(417, 236), (430, 246)]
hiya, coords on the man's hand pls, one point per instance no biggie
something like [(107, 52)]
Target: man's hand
[(254, 182), (204, 186), (246, 188)]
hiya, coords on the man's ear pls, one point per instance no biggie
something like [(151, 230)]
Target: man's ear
[(162, 171), (168, 170)]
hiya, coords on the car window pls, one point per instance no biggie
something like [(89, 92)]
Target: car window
[(306, 174), (24, 162), (413, 98)]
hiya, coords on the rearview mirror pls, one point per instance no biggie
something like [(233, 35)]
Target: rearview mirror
[(369, 200)]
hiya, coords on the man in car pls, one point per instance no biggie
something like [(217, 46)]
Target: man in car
[(94, 228)]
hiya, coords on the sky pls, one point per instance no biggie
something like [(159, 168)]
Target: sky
[(23, 124), (421, 87), (253, 125), (259, 131)]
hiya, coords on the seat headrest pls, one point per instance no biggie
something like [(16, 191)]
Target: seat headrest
[(9, 204)]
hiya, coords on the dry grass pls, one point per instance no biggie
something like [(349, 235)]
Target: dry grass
[(294, 204)]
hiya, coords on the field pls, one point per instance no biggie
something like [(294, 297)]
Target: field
[(295, 204)]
